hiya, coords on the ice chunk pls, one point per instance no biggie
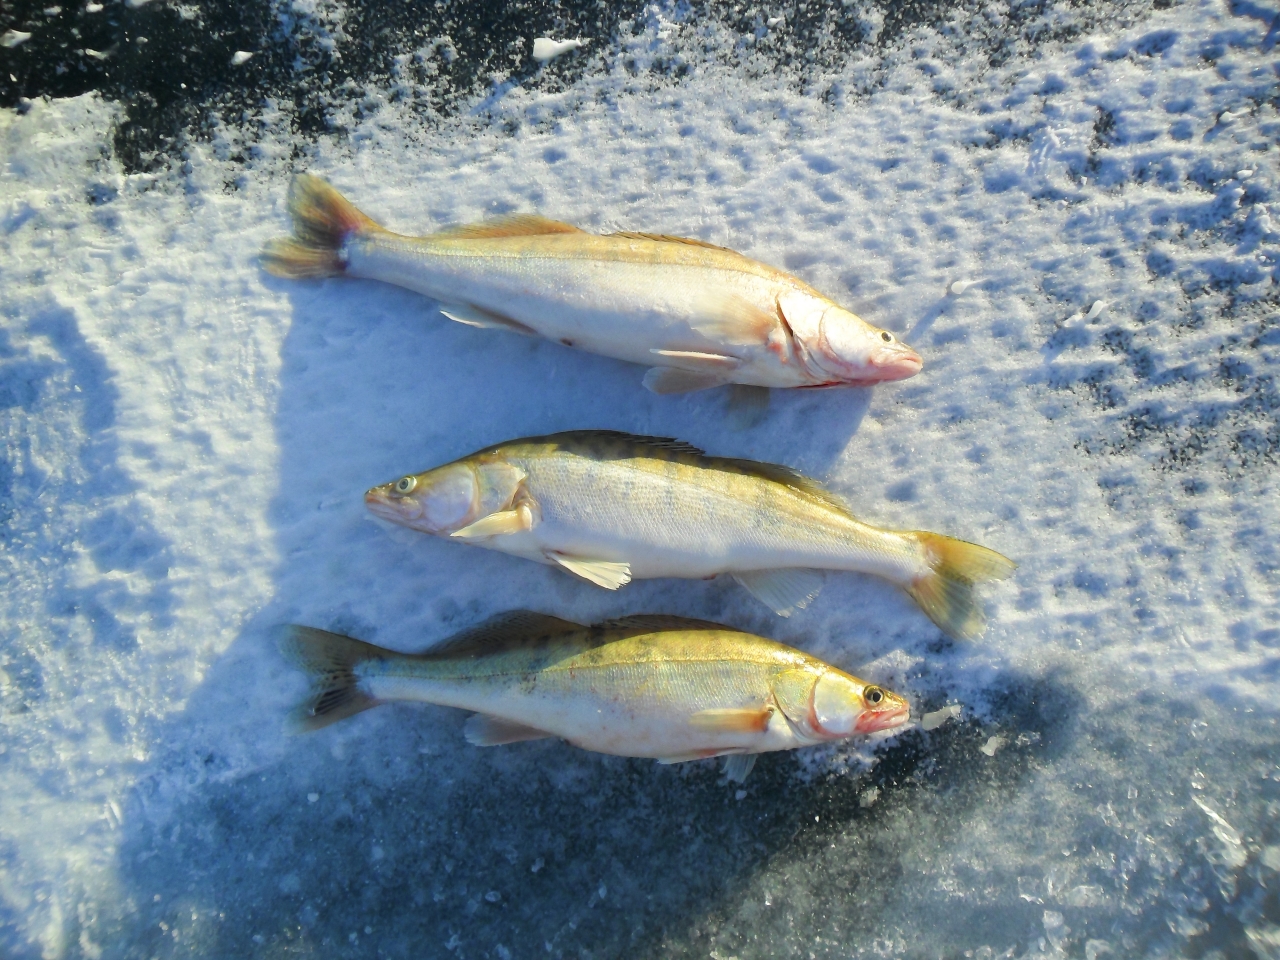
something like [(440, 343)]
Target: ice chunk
[(545, 49), (992, 745), (1096, 310), (239, 57), (937, 718), (958, 287), (773, 21), (14, 38), (1244, 174), (1232, 847)]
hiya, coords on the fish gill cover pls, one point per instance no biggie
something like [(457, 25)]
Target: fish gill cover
[(1065, 207)]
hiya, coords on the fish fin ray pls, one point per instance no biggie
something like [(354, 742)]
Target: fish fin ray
[(738, 765), (705, 362), (732, 720), (610, 574), (330, 661), (691, 755), (514, 628), (783, 591), (474, 316), (517, 225), (323, 221), (484, 730), (574, 439), (498, 524), (656, 622), (946, 593), (747, 405), (668, 238), (669, 380)]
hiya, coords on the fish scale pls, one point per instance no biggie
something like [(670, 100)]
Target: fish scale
[(696, 314), (612, 507), (643, 686)]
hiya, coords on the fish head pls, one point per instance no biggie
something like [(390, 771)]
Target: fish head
[(832, 705), (437, 501), (838, 346)]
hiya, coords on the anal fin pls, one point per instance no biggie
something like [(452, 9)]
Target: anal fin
[(609, 574), (485, 319), (496, 524), (783, 591), (738, 765), (482, 730), (749, 720), (666, 380)]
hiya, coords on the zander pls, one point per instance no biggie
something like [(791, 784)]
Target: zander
[(697, 314), (643, 686), (611, 507)]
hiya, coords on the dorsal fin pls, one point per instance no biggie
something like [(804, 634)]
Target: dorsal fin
[(792, 478), (504, 631), (668, 238), (658, 622), (573, 437), (516, 225)]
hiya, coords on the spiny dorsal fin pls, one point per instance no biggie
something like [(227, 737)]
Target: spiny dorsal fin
[(657, 623), (575, 437), (517, 225), (504, 631), (668, 238)]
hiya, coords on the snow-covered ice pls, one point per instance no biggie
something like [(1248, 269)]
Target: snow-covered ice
[(187, 440)]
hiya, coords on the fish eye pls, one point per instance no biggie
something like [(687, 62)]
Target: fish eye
[(886, 336), (405, 484), (873, 695)]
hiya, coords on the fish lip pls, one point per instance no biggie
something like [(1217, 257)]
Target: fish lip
[(382, 505), (899, 365), (874, 722)]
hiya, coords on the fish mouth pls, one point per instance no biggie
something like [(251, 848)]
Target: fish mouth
[(883, 719), (899, 365), (381, 504)]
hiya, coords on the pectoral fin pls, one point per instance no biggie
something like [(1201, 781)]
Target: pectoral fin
[(496, 524), (783, 591), (709, 362), (738, 765), (485, 319), (732, 721), (482, 730), (665, 380), (603, 573)]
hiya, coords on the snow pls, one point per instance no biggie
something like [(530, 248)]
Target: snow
[(187, 441)]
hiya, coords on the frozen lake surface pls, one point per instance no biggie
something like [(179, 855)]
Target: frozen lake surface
[(1065, 210)]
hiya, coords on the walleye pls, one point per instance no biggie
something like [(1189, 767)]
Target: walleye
[(643, 686), (611, 507), (698, 315)]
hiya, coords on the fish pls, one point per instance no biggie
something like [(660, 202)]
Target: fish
[(612, 507), (696, 314), (642, 686)]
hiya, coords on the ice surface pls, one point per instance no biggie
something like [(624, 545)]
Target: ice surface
[(187, 439)]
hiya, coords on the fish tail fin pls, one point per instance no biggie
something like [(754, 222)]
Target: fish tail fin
[(946, 593), (323, 221), (330, 661)]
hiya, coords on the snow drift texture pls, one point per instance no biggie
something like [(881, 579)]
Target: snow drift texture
[(186, 441)]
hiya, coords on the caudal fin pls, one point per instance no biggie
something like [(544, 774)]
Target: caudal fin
[(947, 592), (330, 660), (323, 221)]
